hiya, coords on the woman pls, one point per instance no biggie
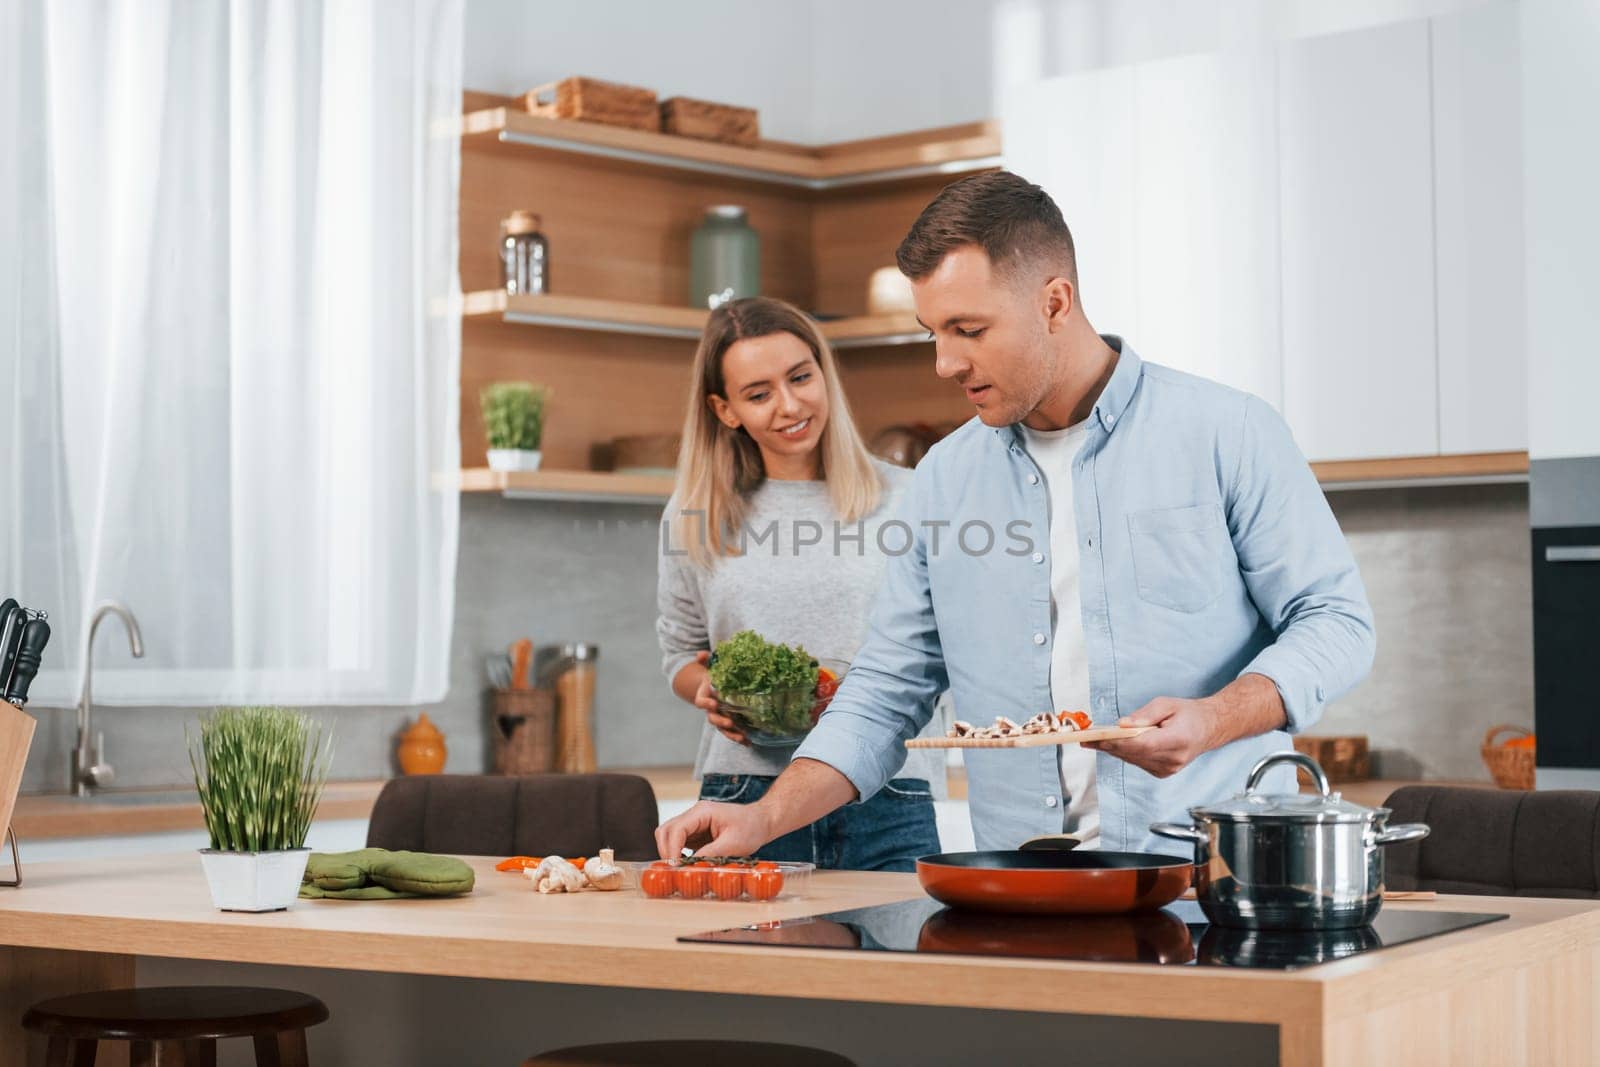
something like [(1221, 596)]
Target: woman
[(770, 463)]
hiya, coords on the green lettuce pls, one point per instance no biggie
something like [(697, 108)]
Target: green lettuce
[(774, 686)]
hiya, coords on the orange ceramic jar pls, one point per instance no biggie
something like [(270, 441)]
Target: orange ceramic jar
[(422, 749)]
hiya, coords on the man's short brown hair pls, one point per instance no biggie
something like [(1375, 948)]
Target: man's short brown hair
[(1014, 221)]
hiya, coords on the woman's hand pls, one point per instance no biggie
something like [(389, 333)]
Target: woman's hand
[(705, 698)]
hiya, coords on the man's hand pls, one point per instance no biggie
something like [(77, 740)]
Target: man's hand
[(1183, 730), (714, 829), (1247, 706)]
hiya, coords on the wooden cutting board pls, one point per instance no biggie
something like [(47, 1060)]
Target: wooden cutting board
[(1065, 737), (16, 735)]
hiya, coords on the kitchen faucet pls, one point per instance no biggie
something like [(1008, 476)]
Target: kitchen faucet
[(98, 773)]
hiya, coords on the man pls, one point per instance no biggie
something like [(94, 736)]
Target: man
[(1162, 556)]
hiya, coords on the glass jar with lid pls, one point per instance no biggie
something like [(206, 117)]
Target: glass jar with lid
[(524, 254), (724, 257)]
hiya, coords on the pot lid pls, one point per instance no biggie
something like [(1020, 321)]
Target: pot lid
[(1322, 806)]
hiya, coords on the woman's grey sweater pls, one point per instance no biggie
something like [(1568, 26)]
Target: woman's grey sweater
[(805, 578)]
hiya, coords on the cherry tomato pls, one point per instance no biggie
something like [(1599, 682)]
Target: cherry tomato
[(693, 882), (1080, 719), (764, 884), (727, 883), (827, 683), (657, 882)]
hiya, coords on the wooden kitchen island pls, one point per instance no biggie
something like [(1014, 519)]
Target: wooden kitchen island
[(1522, 990)]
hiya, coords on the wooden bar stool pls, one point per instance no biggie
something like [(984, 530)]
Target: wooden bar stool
[(177, 1026), (688, 1054)]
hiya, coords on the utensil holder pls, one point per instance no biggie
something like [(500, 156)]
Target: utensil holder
[(524, 730)]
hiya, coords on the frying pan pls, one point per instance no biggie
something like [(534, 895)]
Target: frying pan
[(1055, 883)]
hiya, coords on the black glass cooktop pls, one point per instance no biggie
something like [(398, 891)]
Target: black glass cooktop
[(1177, 935)]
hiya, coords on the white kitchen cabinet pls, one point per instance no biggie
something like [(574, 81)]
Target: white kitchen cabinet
[(1482, 309), (1206, 242), (1560, 84), (1166, 174), (1074, 136), (1356, 202)]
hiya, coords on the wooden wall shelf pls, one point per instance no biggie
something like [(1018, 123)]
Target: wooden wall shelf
[(1408, 472), (1478, 468), (592, 486), (946, 151), (655, 320)]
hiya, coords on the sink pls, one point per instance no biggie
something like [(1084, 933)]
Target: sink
[(143, 797)]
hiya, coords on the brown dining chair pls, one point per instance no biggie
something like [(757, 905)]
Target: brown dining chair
[(177, 1025), (527, 815), (1497, 842)]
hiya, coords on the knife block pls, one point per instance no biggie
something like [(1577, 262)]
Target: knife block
[(16, 737)]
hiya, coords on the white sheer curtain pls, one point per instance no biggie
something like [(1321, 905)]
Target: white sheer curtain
[(229, 343)]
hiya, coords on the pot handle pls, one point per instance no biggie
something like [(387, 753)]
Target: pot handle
[(1309, 765), (1406, 831), (1179, 831)]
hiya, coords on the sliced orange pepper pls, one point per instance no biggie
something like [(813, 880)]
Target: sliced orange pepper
[(523, 863), (1080, 719)]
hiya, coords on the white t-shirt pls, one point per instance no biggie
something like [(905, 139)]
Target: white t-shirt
[(1054, 451)]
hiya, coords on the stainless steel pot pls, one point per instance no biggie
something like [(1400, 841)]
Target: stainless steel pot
[(1289, 861)]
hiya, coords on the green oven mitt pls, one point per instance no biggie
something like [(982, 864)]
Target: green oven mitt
[(378, 874)]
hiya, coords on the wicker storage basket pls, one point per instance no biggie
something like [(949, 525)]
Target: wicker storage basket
[(524, 731), (1510, 767), (593, 100), (707, 121)]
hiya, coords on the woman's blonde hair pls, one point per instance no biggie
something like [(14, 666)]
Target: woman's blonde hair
[(718, 468)]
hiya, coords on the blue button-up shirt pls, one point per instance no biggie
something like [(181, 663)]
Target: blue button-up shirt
[(1206, 550)]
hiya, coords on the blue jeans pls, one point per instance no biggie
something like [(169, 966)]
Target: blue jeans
[(887, 833)]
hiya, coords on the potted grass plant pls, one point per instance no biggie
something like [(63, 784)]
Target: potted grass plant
[(513, 421), (260, 774)]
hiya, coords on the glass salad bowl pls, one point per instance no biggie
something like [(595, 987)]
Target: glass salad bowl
[(781, 718)]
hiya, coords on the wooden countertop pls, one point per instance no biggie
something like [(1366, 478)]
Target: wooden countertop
[(159, 906), (1522, 990)]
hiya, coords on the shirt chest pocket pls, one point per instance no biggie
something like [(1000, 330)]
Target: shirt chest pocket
[(1180, 555)]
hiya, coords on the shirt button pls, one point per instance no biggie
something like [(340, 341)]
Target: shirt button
[(1033, 479), (1038, 639), (1050, 802), (1111, 420), (1038, 557)]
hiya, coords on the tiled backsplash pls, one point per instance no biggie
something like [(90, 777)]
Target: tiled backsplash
[(1447, 571)]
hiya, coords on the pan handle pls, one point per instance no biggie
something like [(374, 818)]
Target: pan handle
[(1179, 831), (1406, 831)]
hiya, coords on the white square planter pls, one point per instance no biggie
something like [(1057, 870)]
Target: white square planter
[(514, 459), (254, 881)]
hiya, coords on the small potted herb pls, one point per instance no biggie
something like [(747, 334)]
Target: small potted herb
[(513, 421), (260, 773)]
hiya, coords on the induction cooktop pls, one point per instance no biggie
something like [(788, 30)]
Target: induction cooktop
[(1177, 935)]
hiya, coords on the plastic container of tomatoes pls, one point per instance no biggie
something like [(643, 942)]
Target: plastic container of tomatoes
[(758, 881)]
